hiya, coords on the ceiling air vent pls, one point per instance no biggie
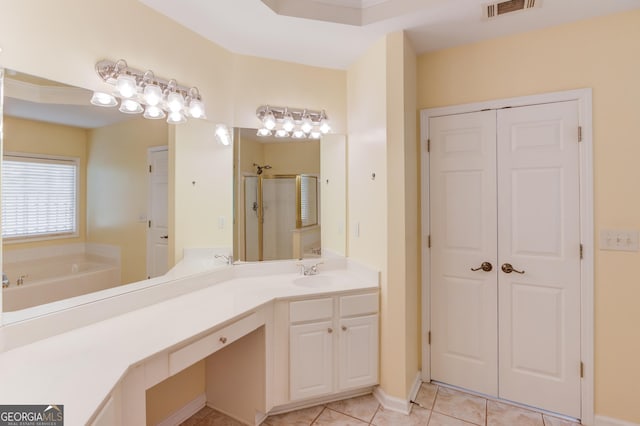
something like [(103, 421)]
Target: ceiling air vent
[(493, 10)]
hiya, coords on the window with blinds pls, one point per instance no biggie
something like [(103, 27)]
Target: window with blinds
[(308, 200), (39, 196)]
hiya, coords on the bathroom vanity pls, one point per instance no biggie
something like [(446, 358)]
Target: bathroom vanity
[(272, 340)]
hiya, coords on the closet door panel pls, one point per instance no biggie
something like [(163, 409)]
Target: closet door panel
[(539, 235), (463, 236)]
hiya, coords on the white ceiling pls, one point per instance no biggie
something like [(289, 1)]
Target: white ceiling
[(250, 27)]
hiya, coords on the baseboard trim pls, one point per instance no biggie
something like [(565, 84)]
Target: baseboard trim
[(188, 410), (393, 403), (608, 421)]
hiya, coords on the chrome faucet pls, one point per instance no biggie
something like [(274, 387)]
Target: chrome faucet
[(309, 270), (5, 280), (20, 280), (228, 259)]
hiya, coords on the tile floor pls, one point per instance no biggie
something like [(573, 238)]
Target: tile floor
[(438, 406)]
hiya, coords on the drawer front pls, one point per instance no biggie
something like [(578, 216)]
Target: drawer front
[(359, 304), (200, 349), (311, 310)]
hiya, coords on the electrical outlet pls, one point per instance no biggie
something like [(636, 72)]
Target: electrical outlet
[(621, 240)]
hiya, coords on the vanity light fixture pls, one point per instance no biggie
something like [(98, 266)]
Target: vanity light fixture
[(140, 91), (295, 122)]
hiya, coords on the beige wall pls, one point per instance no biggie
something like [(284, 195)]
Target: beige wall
[(381, 114), (174, 393), (402, 207), (333, 193), (201, 184), (602, 54), (37, 137), (293, 157), (258, 82), (117, 189)]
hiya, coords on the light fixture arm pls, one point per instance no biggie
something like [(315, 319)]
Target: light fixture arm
[(298, 113), (109, 72)]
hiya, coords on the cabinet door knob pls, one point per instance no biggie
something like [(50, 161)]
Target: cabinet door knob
[(344, 328), (330, 330), (223, 340)]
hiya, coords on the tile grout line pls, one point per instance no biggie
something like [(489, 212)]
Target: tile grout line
[(374, 415), (324, 407)]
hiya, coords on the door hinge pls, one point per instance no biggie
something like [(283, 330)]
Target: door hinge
[(581, 252), (428, 145), (149, 224), (579, 133), (150, 168), (429, 337), (429, 241), (581, 369)]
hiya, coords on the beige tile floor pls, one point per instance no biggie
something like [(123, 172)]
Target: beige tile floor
[(437, 406)]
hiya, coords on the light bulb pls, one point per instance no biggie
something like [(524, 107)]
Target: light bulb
[(307, 124), (324, 126), (154, 112), (152, 94), (175, 101), (298, 134), (281, 133), (196, 108), (269, 120), (126, 85), (129, 106), (287, 122), (103, 99), (263, 131), (176, 117), (315, 134)]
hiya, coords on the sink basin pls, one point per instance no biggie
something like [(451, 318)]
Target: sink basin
[(313, 281)]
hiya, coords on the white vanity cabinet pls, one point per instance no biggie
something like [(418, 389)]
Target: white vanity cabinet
[(333, 344)]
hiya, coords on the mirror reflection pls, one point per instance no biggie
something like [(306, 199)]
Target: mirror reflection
[(277, 197), (84, 194)]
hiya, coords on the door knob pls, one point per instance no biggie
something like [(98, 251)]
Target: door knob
[(486, 266), (507, 269), (164, 237)]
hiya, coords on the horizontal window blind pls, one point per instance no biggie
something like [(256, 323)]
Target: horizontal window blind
[(308, 200), (39, 196), (304, 200)]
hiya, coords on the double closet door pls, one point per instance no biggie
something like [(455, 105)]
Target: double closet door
[(505, 254)]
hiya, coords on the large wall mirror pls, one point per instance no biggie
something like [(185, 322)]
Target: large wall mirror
[(84, 194), (108, 177), (284, 191), (277, 197)]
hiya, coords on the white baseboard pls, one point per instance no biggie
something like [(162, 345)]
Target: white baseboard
[(608, 421), (393, 403), (182, 414)]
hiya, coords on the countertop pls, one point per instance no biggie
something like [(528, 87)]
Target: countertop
[(80, 367)]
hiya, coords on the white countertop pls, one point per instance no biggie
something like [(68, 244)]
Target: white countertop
[(79, 368)]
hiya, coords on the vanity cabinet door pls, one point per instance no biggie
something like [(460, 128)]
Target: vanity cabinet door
[(311, 359), (358, 352)]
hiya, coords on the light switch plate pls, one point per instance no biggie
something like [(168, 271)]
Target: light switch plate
[(618, 239)]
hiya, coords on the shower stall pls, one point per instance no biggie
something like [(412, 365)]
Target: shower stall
[(280, 217)]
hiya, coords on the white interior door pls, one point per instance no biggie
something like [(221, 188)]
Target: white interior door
[(463, 236), (158, 231), (539, 235)]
